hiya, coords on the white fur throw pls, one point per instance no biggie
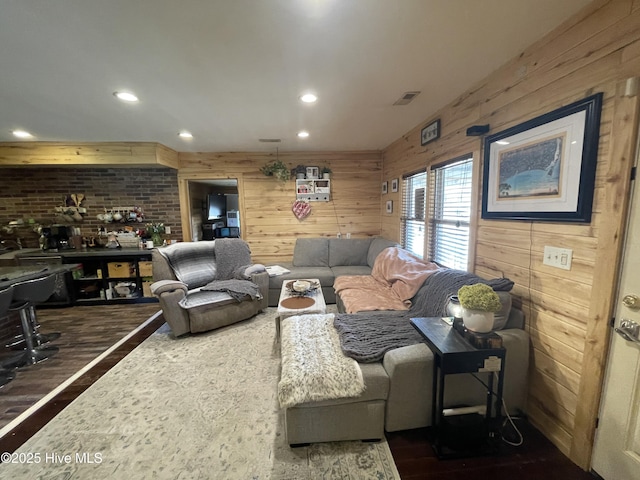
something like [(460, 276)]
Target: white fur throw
[(313, 365)]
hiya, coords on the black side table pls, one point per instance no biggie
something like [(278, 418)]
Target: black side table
[(466, 434)]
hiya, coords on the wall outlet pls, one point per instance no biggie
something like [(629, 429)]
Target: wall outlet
[(348, 235), (558, 257), (167, 230)]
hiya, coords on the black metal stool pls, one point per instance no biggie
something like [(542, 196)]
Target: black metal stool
[(5, 301), (39, 338), (26, 295)]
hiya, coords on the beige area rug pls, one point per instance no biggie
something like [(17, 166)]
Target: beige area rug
[(202, 407)]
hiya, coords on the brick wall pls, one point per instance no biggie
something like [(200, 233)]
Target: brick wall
[(35, 192)]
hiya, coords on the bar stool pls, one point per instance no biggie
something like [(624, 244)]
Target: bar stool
[(5, 300), (39, 338), (26, 295)]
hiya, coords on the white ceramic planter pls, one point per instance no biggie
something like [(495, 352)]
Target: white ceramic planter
[(477, 320)]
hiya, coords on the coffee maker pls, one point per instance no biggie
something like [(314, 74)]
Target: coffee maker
[(55, 238)]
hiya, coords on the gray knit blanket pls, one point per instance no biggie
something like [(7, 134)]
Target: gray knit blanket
[(367, 336), (232, 256)]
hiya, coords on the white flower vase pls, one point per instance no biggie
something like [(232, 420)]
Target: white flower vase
[(501, 317), (477, 321)]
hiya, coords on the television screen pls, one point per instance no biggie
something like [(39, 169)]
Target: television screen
[(217, 206)]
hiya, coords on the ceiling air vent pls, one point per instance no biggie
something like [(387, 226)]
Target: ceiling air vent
[(406, 98), (269, 140)]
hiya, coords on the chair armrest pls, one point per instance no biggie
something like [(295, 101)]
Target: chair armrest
[(170, 293), (164, 286), (262, 280)]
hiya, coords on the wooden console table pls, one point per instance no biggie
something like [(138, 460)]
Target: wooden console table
[(453, 354)]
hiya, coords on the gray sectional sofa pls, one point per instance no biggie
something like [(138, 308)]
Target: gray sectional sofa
[(326, 259), (398, 394)]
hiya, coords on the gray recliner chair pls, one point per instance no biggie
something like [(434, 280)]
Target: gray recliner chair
[(206, 285)]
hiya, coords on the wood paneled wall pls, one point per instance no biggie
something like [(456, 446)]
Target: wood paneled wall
[(267, 222), (567, 311)]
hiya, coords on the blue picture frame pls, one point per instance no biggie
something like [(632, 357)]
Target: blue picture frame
[(544, 169)]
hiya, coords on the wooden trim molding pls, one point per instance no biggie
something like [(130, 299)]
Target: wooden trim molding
[(112, 154)]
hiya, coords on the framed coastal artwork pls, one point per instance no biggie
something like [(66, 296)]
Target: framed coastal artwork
[(544, 168)]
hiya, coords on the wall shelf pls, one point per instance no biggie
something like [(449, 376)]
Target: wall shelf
[(313, 190)]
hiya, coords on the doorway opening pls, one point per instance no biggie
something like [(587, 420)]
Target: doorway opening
[(215, 209)]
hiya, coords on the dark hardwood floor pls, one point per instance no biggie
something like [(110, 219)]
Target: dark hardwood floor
[(537, 458), (89, 331)]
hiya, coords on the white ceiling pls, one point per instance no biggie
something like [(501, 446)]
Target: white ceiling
[(231, 71)]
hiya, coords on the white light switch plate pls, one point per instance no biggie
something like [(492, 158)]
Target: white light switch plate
[(558, 257)]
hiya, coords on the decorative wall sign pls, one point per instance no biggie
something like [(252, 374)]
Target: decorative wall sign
[(544, 169), (301, 209), (430, 133)]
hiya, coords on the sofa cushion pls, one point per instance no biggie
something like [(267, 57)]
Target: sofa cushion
[(323, 274), (353, 270), (347, 251), (199, 298), (311, 252), (376, 246)]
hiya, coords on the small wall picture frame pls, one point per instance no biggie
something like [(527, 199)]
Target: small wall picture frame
[(394, 185), (389, 206), (385, 186), (430, 133), (313, 172)]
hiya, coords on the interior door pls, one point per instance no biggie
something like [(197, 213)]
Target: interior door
[(616, 454)]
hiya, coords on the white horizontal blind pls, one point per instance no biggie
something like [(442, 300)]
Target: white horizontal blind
[(413, 209), (450, 213)]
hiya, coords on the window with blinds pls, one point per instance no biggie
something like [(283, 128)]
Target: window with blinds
[(450, 213), (414, 190)]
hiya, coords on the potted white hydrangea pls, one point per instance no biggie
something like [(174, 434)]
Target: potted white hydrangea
[(479, 303)]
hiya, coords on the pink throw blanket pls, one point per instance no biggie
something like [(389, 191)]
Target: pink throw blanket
[(396, 277)]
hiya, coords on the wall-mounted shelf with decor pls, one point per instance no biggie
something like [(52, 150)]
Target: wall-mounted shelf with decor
[(313, 190)]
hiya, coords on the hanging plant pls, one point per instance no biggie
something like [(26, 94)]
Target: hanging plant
[(277, 169)]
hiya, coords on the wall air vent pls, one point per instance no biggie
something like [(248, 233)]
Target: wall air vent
[(406, 98), (269, 140)]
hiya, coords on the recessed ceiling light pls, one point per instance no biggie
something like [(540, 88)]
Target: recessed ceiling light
[(126, 96), (22, 134), (303, 134), (185, 134), (308, 98)]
